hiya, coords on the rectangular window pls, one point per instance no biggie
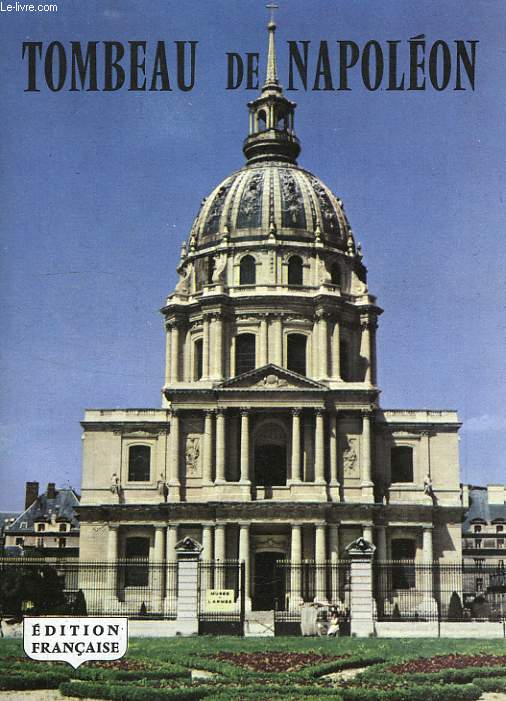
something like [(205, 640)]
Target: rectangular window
[(62, 527), (40, 542), (139, 463), (62, 542), (477, 529), (20, 541), (137, 571), (41, 527), (499, 529), (401, 463)]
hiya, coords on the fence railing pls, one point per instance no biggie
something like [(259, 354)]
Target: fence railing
[(135, 588), (411, 591), (226, 614), (310, 582)]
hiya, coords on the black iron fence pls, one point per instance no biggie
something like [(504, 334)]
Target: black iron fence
[(222, 587), (410, 591), (135, 587)]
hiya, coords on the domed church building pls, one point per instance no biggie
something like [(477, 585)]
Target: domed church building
[(270, 444)]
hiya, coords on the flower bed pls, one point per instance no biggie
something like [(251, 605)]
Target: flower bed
[(441, 662), (274, 661)]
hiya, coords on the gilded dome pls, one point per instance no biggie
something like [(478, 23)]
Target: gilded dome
[(271, 197)]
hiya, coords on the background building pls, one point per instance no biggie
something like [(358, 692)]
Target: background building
[(271, 443), (48, 526)]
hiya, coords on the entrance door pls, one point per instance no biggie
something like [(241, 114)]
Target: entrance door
[(270, 465), (269, 582)]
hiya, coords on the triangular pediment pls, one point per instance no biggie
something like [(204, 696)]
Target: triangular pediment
[(271, 377)]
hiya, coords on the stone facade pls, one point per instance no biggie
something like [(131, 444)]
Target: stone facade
[(271, 442)]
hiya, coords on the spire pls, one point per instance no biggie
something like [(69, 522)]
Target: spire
[(271, 115), (271, 78)]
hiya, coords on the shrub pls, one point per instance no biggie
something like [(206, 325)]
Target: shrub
[(455, 609), (491, 683), (450, 692), (33, 680), (117, 692)]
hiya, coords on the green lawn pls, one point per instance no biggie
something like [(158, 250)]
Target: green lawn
[(157, 669)]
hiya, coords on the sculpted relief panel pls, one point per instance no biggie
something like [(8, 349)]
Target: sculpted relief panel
[(193, 455), (350, 457)]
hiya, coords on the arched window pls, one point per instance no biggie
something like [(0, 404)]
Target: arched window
[(296, 353), (295, 271), (401, 461), (198, 359), (245, 347), (335, 274), (261, 120), (139, 463), (344, 360), (211, 265), (247, 274)]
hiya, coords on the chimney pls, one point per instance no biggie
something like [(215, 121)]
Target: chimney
[(496, 494), (31, 493), (51, 491)]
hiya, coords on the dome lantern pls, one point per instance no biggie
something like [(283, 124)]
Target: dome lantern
[(271, 116)]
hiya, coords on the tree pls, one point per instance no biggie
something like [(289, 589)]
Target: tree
[(455, 608)]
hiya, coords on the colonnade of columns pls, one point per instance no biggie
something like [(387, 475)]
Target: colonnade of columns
[(315, 447), (326, 548), (270, 334)]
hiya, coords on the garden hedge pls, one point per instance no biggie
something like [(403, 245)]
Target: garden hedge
[(33, 680), (127, 692)]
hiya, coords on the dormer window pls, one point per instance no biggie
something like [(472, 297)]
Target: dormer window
[(499, 529), (477, 529), (40, 527), (62, 527)]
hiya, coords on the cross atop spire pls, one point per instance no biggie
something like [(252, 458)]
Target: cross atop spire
[(271, 78)]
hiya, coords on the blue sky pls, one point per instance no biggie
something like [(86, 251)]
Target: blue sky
[(99, 189)]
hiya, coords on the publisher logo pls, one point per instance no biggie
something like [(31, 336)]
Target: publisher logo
[(75, 640)]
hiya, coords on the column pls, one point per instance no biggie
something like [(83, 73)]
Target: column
[(207, 557), (218, 346), (334, 562), (366, 449), (168, 334), (296, 471), (171, 542), (174, 353), (205, 349), (429, 606), (220, 446), (367, 533), (158, 566), (319, 448), (308, 450), (428, 555), (334, 482), (381, 558), (277, 341), (112, 557), (174, 457), (208, 446), (365, 349), (320, 561), (372, 351), (244, 555), (219, 555), (245, 477), (322, 346), (295, 569), (263, 356), (336, 352)]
